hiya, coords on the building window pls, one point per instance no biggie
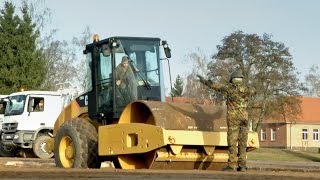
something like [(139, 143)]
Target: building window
[(273, 134), (263, 135), (316, 134), (304, 134)]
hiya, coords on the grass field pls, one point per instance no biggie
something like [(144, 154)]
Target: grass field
[(270, 154)]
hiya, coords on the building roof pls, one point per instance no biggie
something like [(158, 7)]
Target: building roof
[(310, 110), (310, 107)]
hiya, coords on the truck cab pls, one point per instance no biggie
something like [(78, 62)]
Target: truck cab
[(29, 119)]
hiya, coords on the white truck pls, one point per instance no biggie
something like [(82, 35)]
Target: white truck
[(3, 103), (28, 121)]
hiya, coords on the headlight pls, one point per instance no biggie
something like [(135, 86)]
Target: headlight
[(27, 137), (16, 136)]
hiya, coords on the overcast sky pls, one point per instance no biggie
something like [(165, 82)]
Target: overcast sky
[(189, 24)]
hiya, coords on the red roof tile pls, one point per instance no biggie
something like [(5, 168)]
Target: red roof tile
[(310, 110), (310, 107)]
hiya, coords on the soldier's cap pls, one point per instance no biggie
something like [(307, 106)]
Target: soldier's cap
[(124, 59), (236, 74)]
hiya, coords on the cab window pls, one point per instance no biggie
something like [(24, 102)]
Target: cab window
[(38, 104)]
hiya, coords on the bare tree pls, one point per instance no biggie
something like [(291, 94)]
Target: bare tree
[(60, 63), (312, 80), (199, 63), (79, 44), (39, 13), (66, 62)]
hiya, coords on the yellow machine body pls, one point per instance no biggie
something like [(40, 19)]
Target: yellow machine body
[(158, 135)]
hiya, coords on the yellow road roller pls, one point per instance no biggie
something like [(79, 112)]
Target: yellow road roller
[(123, 117)]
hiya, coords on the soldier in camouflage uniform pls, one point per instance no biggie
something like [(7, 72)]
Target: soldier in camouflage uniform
[(237, 118), (126, 82)]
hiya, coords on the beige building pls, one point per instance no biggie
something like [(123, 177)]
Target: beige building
[(302, 133)]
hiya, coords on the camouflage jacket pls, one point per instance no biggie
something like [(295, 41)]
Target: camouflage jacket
[(237, 97), (125, 75)]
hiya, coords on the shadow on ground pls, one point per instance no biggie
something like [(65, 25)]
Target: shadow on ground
[(303, 155)]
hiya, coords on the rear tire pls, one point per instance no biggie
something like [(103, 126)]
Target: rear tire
[(76, 145), (39, 147)]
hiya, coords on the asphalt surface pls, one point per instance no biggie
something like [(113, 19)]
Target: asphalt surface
[(34, 168), (252, 165)]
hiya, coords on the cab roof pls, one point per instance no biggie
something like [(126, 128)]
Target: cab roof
[(106, 40), (54, 93), (3, 96)]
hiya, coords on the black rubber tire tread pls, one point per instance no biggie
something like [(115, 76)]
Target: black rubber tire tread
[(4, 152), (36, 147), (26, 153), (84, 136)]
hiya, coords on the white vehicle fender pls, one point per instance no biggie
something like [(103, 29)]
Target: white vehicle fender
[(42, 130)]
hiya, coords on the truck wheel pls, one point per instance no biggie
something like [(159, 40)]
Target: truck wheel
[(39, 147), (76, 145), (7, 151)]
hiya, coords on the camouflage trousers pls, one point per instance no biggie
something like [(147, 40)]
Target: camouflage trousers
[(237, 137)]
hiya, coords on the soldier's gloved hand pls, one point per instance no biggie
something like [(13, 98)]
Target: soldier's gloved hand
[(200, 78)]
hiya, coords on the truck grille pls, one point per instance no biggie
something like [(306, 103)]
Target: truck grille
[(9, 127)]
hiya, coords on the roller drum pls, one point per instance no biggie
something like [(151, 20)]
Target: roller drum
[(176, 116)]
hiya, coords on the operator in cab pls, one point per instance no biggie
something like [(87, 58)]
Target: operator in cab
[(126, 82)]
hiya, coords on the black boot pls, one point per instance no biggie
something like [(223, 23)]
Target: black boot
[(242, 169), (230, 169)]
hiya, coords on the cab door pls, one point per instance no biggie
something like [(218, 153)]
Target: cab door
[(104, 83), (33, 114), (42, 112)]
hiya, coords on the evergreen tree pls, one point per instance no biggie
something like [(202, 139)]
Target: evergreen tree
[(178, 87), (31, 58), (21, 62), (8, 48)]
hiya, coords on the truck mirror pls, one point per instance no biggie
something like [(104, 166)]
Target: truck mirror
[(30, 105), (105, 50), (166, 49)]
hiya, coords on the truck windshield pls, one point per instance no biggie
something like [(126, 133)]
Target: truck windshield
[(15, 105)]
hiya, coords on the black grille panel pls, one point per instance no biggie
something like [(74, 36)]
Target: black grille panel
[(9, 127)]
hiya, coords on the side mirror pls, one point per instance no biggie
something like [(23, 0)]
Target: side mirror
[(166, 49), (30, 105), (105, 50)]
